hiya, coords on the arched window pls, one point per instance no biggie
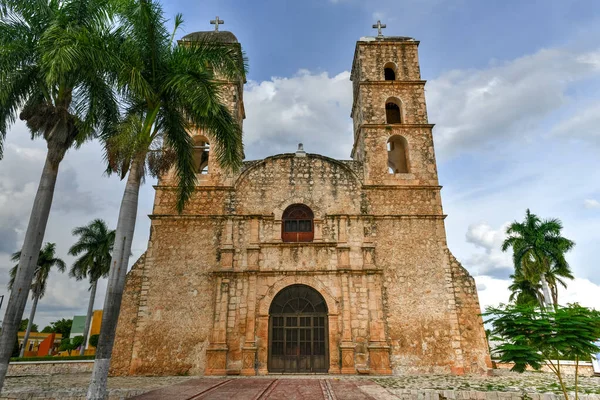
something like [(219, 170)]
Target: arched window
[(201, 153), (392, 111), (389, 71), (297, 224), (397, 155)]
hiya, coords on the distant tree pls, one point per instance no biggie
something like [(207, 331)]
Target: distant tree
[(524, 292), (71, 344), (539, 254), (56, 60), (65, 345), (94, 340), (46, 260), (62, 326), (533, 336), (77, 341), (24, 323), (93, 247)]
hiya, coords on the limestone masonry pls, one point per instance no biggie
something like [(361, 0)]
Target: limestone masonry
[(303, 263)]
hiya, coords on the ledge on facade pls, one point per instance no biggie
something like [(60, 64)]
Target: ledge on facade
[(393, 83), (204, 187), (298, 244), (401, 125), (404, 187), (277, 272)]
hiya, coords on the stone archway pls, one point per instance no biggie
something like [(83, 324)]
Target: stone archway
[(298, 331)]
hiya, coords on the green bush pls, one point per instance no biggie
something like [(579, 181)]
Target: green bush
[(94, 340), (51, 358)]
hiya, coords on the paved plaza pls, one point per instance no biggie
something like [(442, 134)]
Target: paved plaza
[(503, 385)]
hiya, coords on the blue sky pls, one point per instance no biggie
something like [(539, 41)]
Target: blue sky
[(513, 88)]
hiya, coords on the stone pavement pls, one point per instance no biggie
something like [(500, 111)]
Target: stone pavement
[(503, 385), (272, 389)]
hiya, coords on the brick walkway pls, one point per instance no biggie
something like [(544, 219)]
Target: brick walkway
[(273, 389)]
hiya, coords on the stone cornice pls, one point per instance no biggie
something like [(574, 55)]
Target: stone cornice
[(396, 126), (311, 272), (419, 82), (268, 217)]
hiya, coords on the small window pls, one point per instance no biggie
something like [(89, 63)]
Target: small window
[(389, 72), (201, 154), (297, 224), (397, 158), (392, 111)]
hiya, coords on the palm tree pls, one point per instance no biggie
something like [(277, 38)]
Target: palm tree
[(539, 253), (95, 244), (55, 63), (169, 90), (524, 292), (46, 260)]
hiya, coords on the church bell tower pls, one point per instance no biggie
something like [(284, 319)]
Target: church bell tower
[(392, 136)]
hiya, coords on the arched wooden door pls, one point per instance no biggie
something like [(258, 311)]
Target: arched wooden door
[(298, 331)]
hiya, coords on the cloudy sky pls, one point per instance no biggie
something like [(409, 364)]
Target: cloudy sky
[(513, 88)]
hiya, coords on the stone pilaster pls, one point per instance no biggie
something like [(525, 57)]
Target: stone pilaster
[(216, 354), (249, 349)]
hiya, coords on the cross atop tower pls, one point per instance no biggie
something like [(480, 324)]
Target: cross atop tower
[(216, 22), (379, 26)]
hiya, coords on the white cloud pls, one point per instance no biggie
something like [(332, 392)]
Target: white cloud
[(82, 193), (591, 203), (506, 101), (494, 291), (585, 125), (313, 109), (493, 262)]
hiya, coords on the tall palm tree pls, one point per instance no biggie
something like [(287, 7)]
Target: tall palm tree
[(55, 63), (95, 244), (539, 253), (524, 292), (170, 90), (46, 260)]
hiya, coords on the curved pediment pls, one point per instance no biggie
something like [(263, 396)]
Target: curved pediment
[(326, 185)]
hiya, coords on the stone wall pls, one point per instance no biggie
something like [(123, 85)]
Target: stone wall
[(49, 367), (566, 367), (128, 317)]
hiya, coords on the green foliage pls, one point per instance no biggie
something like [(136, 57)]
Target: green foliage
[(538, 255), (532, 336), (94, 340), (77, 341), (51, 358), (62, 326), (46, 261), (69, 345), (23, 326), (57, 68), (171, 90), (94, 247)]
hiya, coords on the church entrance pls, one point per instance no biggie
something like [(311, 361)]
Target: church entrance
[(298, 331)]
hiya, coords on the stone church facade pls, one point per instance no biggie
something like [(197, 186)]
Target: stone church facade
[(303, 263)]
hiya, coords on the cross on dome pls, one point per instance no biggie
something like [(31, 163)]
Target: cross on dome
[(216, 22), (379, 26)]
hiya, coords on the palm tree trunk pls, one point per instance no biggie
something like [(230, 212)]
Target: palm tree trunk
[(116, 282), (546, 289), (88, 319), (28, 261), (29, 325)]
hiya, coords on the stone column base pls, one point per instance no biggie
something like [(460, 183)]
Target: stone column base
[(216, 360), (248, 360), (379, 359), (347, 350)]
